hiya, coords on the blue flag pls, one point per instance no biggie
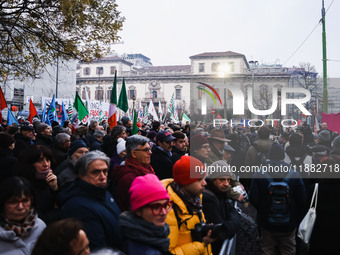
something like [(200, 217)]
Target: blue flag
[(63, 114), (10, 118), (52, 113)]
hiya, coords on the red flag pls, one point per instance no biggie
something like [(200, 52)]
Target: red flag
[(32, 112), (3, 104)]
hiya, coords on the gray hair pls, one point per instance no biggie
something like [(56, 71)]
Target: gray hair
[(61, 138), (93, 123), (132, 143), (84, 162), (117, 130), (98, 133)]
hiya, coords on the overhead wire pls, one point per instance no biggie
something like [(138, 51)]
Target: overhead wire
[(307, 37)]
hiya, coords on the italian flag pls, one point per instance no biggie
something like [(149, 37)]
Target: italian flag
[(112, 118)]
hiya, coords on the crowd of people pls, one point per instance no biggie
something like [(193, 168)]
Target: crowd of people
[(92, 189)]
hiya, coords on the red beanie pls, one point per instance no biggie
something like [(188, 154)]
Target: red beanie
[(188, 170), (146, 189), (197, 141)]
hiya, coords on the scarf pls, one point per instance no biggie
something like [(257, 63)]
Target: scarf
[(22, 228), (133, 163), (193, 204), (145, 232)]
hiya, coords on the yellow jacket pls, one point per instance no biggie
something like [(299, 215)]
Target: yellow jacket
[(180, 239)]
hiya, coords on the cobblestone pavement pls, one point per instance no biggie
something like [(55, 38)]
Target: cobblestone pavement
[(246, 241)]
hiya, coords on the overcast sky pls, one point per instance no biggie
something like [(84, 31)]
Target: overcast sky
[(170, 31)]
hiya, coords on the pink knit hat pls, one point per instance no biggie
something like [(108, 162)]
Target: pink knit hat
[(146, 189)]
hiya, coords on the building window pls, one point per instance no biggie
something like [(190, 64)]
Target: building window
[(178, 94), (87, 71), (113, 69), (214, 67), (131, 93), (108, 94), (99, 70), (201, 68), (99, 93), (154, 94), (231, 67)]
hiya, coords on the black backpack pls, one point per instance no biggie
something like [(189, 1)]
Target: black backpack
[(279, 201)]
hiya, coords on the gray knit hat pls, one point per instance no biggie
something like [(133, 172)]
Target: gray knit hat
[(324, 136), (41, 127)]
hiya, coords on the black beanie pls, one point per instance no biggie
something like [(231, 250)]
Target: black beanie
[(276, 152), (75, 145)]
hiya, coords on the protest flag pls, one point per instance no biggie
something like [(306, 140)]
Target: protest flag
[(80, 107), (3, 103), (152, 111), (63, 114), (10, 118), (52, 113), (185, 118), (32, 112), (70, 110), (134, 127), (112, 119), (123, 101)]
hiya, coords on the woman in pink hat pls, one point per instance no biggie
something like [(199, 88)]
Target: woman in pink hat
[(144, 227)]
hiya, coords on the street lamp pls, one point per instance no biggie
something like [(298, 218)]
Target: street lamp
[(223, 71), (100, 71), (253, 63)]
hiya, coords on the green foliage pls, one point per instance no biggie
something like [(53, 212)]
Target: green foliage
[(36, 32)]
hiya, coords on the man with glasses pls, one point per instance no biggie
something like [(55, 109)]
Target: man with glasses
[(200, 148), (136, 164), (216, 206), (161, 159), (88, 200)]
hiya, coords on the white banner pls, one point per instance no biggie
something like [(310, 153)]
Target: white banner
[(94, 106)]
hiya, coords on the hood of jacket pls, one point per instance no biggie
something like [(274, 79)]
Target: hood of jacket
[(262, 145)]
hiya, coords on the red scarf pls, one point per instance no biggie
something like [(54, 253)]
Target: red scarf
[(133, 163)]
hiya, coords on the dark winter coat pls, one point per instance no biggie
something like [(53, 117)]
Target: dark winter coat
[(66, 173), (176, 154), (96, 209), (8, 163), (45, 140), (59, 155), (161, 163), (217, 209), (21, 144), (258, 196)]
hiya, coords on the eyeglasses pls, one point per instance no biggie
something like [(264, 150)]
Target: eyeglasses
[(12, 203), (148, 149), (205, 146), (158, 207)]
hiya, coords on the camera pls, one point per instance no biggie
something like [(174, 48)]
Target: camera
[(201, 230)]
